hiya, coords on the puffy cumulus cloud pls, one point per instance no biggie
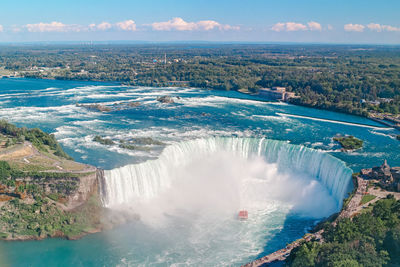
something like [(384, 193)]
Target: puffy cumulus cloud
[(314, 26), (380, 28), (178, 24), (127, 25), (100, 27), (293, 26), (354, 27), (1, 28), (104, 26), (54, 26), (278, 27)]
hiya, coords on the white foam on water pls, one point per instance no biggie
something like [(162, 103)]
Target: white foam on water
[(216, 101), (191, 194), (43, 114), (273, 118), (392, 136), (333, 121)]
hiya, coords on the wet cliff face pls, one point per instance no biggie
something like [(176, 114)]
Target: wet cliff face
[(88, 185)]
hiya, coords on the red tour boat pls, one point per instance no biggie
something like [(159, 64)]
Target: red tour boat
[(243, 215)]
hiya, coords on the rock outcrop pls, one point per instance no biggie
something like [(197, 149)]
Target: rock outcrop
[(87, 186), (165, 99)]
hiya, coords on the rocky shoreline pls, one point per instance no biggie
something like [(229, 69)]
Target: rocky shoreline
[(353, 206)]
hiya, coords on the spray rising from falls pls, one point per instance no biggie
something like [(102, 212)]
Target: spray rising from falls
[(145, 181)]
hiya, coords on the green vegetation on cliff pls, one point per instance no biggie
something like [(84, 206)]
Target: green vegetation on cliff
[(38, 183), (44, 219), (33, 182), (349, 142), (371, 238), (41, 140)]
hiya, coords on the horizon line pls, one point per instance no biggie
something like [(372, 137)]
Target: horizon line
[(116, 42)]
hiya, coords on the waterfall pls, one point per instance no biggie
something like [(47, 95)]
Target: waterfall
[(146, 180)]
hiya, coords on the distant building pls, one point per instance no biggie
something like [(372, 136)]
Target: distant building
[(276, 93), (388, 177), (178, 83)]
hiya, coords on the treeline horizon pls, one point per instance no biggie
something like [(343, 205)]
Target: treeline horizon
[(345, 78)]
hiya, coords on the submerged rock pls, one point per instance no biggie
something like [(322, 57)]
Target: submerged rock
[(165, 99), (133, 104), (96, 107)]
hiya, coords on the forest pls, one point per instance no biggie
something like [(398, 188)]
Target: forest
[(355, 79), (371, 238)]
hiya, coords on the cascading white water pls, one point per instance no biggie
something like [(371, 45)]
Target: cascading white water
[(147, 180)]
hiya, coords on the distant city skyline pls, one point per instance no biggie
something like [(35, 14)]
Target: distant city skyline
[(309, 21)]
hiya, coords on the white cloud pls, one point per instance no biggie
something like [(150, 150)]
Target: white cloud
[(375, 27), (278, 27), (380, 28), (1, 28), (178, 24), (92, 26), (354, 27), (294, 26), (207, 25), (127, 25), (314, 26), (104, 26), (329, 27), (54, 26)]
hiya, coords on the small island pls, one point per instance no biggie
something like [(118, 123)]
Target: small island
[(137, 143), (165, 99), (114, 107), (103, 141), (349, 143)]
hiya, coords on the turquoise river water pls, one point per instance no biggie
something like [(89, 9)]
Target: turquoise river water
[(217, 153)]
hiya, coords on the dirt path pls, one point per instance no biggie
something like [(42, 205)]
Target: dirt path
[(17, 152), (28, 154)]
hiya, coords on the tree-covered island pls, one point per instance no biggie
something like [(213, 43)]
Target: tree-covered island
[(349, 142)]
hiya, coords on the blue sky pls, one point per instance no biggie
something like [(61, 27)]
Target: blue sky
[(327, 21)]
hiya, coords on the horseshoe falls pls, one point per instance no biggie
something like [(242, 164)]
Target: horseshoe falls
[(147, 180), (200, 185)]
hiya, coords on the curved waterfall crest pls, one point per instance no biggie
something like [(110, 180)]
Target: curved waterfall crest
[(146, 180)]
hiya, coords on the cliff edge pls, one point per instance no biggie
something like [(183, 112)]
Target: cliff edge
[(43, 192)]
